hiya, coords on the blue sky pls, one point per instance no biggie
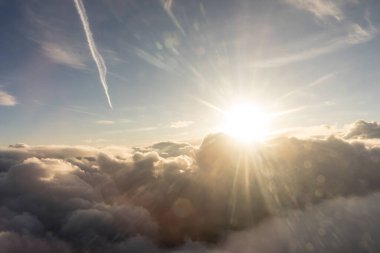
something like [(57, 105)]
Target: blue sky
[(167, 59)]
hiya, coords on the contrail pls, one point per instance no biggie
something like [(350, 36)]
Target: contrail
[(167, 4), (94, 51)]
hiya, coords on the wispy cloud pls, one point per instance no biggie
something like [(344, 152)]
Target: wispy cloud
[(56, 42), (355, 35), (132, 130), (326, 11), (358, 34), (7, 99), (95, 141), (61, 55), (94, 50), (322, 9), (79, 109), (105, 122), (167, 5), (314, 83), (181, 124), (153, 60)]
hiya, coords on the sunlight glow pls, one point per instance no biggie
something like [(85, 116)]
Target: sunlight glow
[(246, 123)]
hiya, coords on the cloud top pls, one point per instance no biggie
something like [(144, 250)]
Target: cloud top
[(364, 130), (284, 195)]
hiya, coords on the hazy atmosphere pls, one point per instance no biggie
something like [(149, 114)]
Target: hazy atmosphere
[(189, 126)]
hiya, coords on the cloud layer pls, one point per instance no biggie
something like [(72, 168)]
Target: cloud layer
[(286, 195)]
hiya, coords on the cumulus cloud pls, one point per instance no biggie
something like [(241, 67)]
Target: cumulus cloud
[(285, 195), (339, 225), (364, 130), (98, 58), (7, 99)]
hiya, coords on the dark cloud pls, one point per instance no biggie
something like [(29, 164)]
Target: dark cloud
[(364, 130), (285, 195)]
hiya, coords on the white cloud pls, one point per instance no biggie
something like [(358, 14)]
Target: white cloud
[(358, 34), (355, 35), (181, 124), (298, 193), (7, 99), (320, 8), (363, 130), (61, 55), (167, 5), (105, 122), (154, 60)]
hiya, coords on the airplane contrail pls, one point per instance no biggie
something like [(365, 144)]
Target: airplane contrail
[(102, 69), (167, 4)]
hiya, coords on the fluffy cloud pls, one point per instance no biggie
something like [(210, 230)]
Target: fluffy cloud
[(364, 130), (286, 195), (7, 99)]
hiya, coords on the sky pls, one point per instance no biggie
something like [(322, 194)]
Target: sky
[(169, 64)]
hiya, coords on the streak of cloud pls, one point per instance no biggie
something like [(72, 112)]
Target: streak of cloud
[(356, 35), (325, 10), (153, 60), (319, 81), (208, 104), (322, 9), (61, 55), (105, 122), (181, 124), (94, 51), (167, 5)]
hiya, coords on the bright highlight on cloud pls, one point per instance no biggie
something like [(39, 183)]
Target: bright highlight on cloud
[(102, 69), (286, 195)]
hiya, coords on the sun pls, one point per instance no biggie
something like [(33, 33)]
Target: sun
[(246, 122)]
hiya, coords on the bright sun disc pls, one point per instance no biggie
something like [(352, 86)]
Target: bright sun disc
[(246, 123)]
